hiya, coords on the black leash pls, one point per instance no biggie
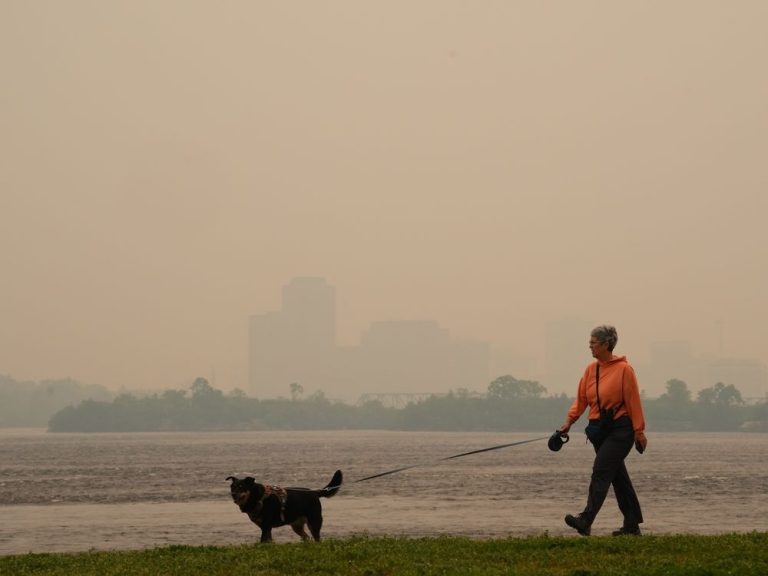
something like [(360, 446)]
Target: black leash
[(510, 444)]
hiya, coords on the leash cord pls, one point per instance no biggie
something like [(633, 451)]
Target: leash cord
[(388, 472)]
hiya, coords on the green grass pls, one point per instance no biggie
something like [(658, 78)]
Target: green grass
[(738, 554)]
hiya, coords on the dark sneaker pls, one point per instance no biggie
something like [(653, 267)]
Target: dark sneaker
[(579, 524), (624, 531)]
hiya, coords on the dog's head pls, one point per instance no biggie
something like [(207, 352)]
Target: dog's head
[(242, 489)]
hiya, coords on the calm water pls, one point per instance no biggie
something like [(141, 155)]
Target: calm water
[(71, 492)]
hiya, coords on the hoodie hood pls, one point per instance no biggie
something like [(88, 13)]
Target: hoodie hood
[(613, 361)]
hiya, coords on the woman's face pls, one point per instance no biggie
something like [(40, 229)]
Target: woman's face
[(597, 347)]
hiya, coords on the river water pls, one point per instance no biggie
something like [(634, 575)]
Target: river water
[(77, 492)]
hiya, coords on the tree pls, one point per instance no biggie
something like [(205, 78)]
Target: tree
[(677, 393), (296, 390), (319, 397), (201, 387), (719, 407), (721, 395), (507, 387), (673, 409)]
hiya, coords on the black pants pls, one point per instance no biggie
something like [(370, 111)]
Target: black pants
[(609, 469)]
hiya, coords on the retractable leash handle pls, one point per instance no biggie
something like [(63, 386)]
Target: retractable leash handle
[(557, 440)]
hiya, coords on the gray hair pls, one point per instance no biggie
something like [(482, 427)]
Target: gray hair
[(606, 335)]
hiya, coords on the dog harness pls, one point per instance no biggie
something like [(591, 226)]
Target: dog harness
[(282, 496), (281, 493)]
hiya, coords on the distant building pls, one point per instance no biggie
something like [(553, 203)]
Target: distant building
[(419, 356), (309, 313), (670, 359), (749, 376), (675, 359), (298, 344)]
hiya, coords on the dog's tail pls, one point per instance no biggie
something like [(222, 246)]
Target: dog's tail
[(333, 486)]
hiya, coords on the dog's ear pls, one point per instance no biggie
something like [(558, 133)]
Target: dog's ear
[(249, 481), (232, 478)]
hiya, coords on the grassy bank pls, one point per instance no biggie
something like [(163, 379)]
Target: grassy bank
[(743, 554)]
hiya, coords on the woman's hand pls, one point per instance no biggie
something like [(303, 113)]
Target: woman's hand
[(565, 427), (640, 442)]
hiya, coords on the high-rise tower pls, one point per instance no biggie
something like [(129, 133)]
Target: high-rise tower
[(297, 343)]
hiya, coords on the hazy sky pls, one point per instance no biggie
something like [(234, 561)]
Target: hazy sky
[(166, 166)]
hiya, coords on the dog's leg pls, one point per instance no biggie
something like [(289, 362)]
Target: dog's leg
[(298, 527), (315, 523), (266, 533)]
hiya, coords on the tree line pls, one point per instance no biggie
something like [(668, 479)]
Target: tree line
[(509, 405), (32, 403)]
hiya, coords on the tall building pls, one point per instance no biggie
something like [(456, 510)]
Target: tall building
[(309, 314), (297, 343)]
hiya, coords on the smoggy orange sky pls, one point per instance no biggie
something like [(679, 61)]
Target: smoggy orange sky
[(165, 167)]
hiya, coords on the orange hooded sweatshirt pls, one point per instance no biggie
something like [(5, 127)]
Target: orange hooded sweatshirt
[(618, 390)]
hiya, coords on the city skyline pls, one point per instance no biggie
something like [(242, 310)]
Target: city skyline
[(297, 344), (558, 367), (166, 167)]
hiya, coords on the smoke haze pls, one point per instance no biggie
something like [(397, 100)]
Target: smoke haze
[(166, 167)]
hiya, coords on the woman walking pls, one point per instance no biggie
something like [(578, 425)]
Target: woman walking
[(616, 423)]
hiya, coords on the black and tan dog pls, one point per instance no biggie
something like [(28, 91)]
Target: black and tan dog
[(271, 506)]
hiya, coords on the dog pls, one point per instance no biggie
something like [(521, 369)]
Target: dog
[(271, 506)]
